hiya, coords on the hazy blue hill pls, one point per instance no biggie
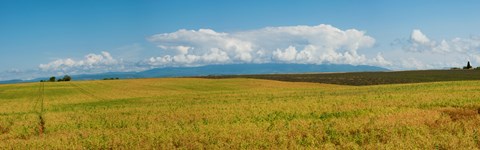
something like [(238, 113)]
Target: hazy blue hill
[(228, 69), (11, 81), (238, 69), (122, 75)]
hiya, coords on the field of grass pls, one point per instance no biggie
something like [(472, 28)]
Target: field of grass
[(368, 78), (239, 113)]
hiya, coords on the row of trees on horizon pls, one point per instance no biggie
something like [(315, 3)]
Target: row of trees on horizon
[(468, 67), (54, 79), (69, 78)]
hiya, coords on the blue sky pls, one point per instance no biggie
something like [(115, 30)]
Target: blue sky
[(89, 36)]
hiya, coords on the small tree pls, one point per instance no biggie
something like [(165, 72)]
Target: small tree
[(52, 79), (67, 78), (468, 66)]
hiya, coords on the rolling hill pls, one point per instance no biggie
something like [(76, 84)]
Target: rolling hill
[(368, 78), (227, 69)]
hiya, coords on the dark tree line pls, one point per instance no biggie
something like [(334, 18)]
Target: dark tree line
[(468, 67), (54, 79), (111, 78)]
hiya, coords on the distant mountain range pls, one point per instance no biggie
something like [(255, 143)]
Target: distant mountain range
[(227, 69)]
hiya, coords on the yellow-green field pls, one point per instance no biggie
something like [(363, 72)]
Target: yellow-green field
[(238, 113)]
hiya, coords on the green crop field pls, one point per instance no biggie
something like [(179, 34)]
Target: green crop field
[(238, 113)]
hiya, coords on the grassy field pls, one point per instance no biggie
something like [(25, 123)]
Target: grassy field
[(194, 113), (368, 78)]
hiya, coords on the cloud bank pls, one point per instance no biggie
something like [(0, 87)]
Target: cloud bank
[(419, 42), (322, 44), (421, 52), (91, 63)]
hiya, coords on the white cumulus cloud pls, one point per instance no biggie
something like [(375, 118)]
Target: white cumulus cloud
[(289, 44), (422, 52), (289, 54), (419, 42), (418, 37), (90, 63)]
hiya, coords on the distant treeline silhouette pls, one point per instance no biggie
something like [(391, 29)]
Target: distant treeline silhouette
[(468, 67), (54, 79)]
